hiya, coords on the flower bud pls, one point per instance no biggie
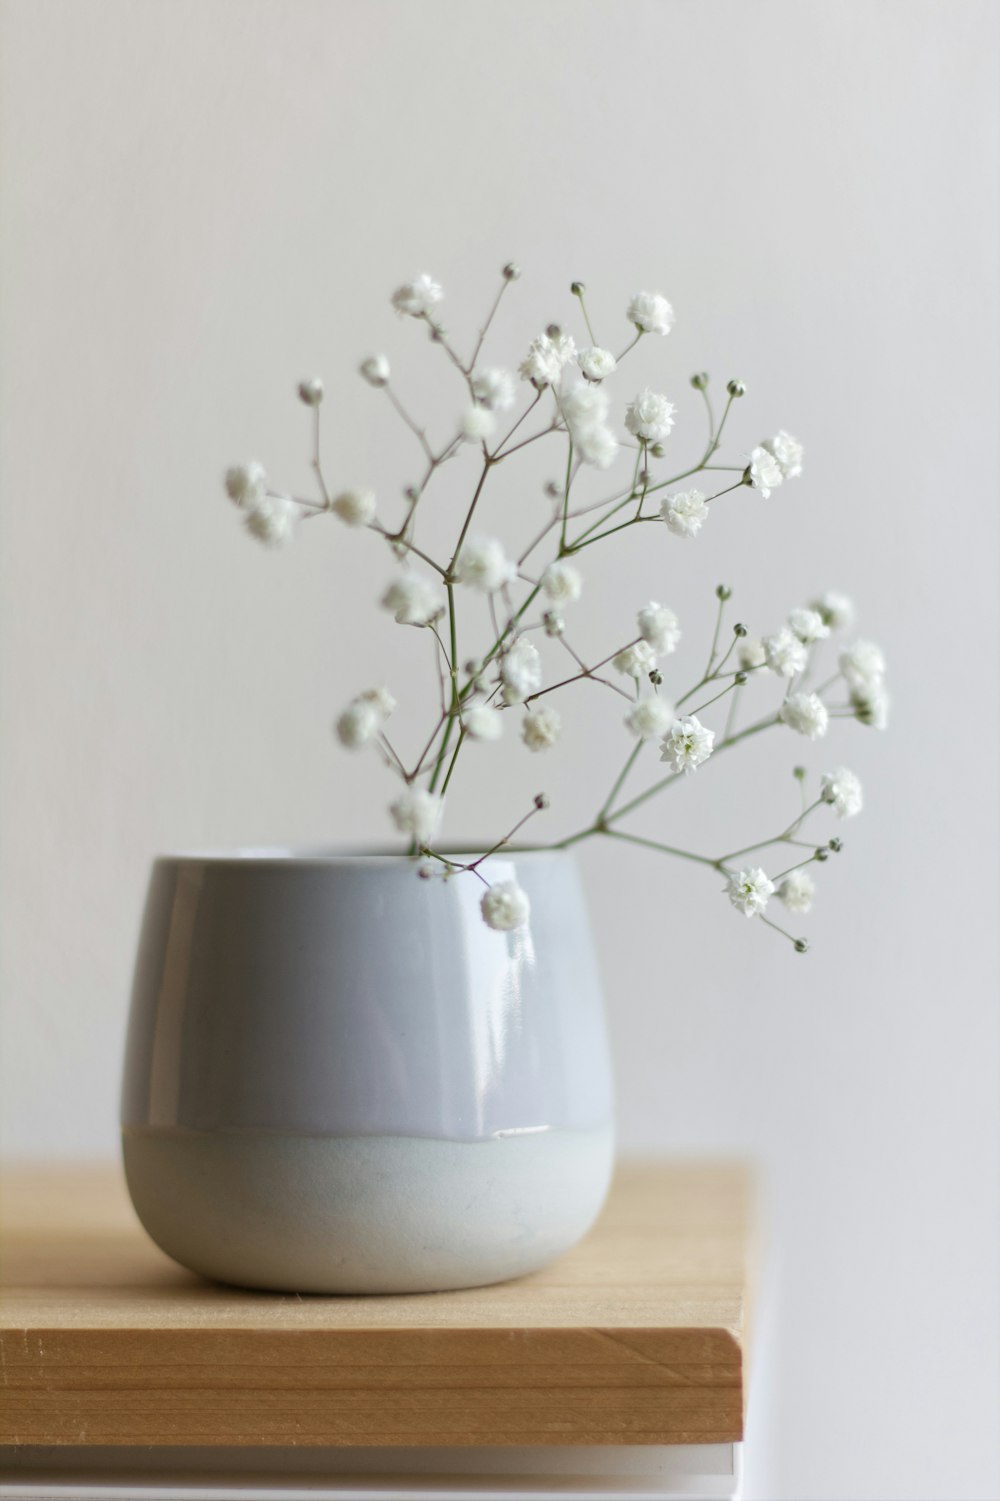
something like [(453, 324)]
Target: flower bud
[(375, 370), (656, 678), (836, 845), (736, 388), (425, 872), (472, 668), (541, 801), (822, 853), (740, 679), (801, 946), (311, 391), (511, 271), (554, 624), (554, 331), (657, 450), (577, 288), (799, 773), (553, 490), (739, 629), (723, 593), (700, 380)]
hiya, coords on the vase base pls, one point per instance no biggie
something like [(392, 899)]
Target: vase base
[(365, 1214)]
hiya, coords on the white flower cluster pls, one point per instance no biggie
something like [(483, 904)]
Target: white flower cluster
[(488, 671)]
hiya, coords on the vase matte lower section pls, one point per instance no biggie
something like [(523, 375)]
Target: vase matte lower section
[(366, 1214)]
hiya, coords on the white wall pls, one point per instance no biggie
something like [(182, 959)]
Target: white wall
[(203, 202)]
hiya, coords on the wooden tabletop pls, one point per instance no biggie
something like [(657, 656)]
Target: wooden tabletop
[(635, 1337)]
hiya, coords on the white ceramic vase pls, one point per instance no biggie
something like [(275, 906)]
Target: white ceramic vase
[(339, 1080)]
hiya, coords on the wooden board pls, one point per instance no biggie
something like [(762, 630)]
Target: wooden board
[(636, 1337)]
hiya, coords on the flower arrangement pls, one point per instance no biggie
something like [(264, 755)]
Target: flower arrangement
[(481, 693)]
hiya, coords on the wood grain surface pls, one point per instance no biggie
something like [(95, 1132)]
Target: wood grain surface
[(635, 1337)]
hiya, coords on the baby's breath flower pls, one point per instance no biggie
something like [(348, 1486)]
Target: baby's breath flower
[(685, 512), (763, 472), (649, 416), (752, 653), (808, 625), (649, 718), (505, 907), (417, 297), (797, 890), (355, 507), (836, 609), (418, 812), (494, 389), (311, 391), (842, 790), (787, 453), (375, 370), (635, 660), (483, 564), (540, 727), (650, 312), (364, 717), (478, 424), (871, 705), (585, 408), (483, 722), (562, 583), (863, 664), (749, 890), (246, 484), (598, 446), (520, 671), (686, 744), (806, 714), (785, 653), (272, 519), (660, 627), (546, 357), (412, 599), (596, 363)]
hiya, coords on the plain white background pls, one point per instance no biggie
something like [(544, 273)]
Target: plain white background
[(203, 202)]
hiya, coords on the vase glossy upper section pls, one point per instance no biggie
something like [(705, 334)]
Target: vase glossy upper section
[(343, 995)]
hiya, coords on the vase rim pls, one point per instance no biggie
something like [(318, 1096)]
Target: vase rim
[(325, 857)]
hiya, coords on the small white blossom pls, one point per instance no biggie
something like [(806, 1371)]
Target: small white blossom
[(478, 424), (808, 625), (375, 370), (246, 484), (355, 507), (505, 907), (797, 891), (311, 391), (871, 705), (806, 714), (764, 471), (752, 654), (364, 717), (494, 389), (649, 718), (686, 744), (651, 312), (787, 453), (540, 727), (272, 519), (597, 446), (416, 298), (660, 627), (412, 599), (483, 564), (836, 609), (749, 890), (483, 722), (649, 416), (785, 653), (543, 365), (562, 583), (635, 661), (842, 790), (596, 364), (520, 671), (863, 664), (685, 512), (418, 812)]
